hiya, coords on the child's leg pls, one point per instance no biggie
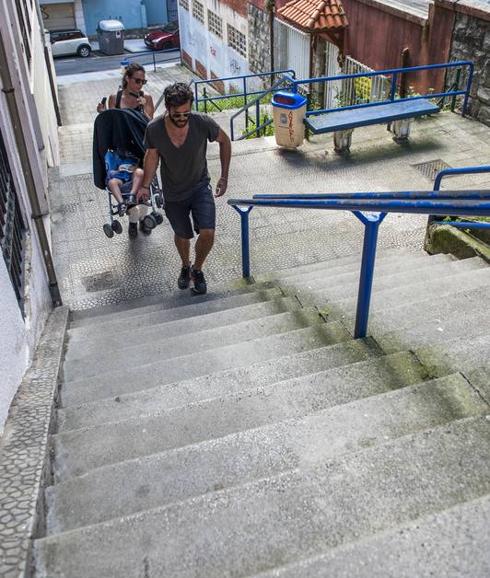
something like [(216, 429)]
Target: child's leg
[(114, 185), (137, 181)]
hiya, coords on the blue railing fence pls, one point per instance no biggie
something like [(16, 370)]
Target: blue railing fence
[(457, 171), (395, 74), (245, 86), (370, 208)]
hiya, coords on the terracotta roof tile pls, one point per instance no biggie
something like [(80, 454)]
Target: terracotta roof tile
[(315, 15)]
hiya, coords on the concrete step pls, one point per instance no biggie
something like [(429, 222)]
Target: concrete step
[(348, 285), (156, 302), (80, 346), (214, 385), (79, 451), (417, 291), (340, 264), (461, 326), (466, 355), (138, 378), (349, 274), (431, 309), (165, 347), (277, 520), (117, 490), (144, 316), (452, 543)]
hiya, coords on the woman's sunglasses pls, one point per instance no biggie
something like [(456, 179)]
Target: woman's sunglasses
[(139, 81)]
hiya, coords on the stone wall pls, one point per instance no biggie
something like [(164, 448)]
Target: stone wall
[(259, 55), (471, 41)]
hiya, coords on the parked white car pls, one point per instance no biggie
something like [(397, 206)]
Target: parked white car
[(67, 42)]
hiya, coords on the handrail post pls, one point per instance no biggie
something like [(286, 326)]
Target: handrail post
[(393, 86), (456, 87), (468, 88), (196, 97), (205, 94), (257, 117), (244, 214), (371, 226)]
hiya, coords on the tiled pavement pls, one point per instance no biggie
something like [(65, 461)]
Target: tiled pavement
[(94, 270)]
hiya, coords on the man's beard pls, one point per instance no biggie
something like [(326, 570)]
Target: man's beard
[(179, 123)]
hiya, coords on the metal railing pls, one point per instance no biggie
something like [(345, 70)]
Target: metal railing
[(395, 74), (244, 92), (371, 209), (437, 187), (281, 83)]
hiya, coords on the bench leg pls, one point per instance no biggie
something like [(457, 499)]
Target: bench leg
[(401, 129), (342, 140)]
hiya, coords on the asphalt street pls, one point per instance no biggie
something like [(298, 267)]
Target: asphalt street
[(97, 62)]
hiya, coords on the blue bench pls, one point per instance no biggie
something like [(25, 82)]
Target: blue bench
[(346, 120)]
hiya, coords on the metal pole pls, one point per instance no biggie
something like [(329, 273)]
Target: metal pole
[(154, 62), (245, 103), (468, 88), (456, 87), (244, 213), (371, 224), (205, 94), (393, 86), (257, 117)]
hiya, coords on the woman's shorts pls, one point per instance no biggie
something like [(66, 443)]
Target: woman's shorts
[(200, 207)]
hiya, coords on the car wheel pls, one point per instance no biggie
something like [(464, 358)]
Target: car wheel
[(84, 51)]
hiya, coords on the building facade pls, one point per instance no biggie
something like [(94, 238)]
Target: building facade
[(28, 146), (85, 14)]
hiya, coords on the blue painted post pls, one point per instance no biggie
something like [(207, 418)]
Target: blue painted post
[(257, 118), (196, 96), (245, 102), (244, 213), (371, 223)]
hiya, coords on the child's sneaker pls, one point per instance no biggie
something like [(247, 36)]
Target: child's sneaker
[(133, 230), (122, 209), (184, 279), (200, 286)]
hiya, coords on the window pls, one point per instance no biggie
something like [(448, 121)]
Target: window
[(25, 27), (215, 24), (184, 4), (12, 228), (237, 40), (198, 11)]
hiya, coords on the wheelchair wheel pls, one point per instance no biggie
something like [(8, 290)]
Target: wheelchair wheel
[(158, 218), (108, 230), (117, 227), (149, 221)]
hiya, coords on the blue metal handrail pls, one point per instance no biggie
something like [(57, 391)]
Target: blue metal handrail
[(454, 171), (394, 72), (377, 205), (243, 78)]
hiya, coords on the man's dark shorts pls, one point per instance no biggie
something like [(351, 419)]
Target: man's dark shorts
[(200, 206)]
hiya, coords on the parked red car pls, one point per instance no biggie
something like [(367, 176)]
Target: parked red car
[(164, 38)]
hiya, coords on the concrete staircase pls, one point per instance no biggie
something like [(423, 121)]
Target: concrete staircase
[(245, 433)]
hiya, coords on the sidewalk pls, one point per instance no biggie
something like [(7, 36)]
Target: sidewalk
[(93, 270)]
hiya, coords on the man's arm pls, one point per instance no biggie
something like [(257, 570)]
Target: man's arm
[(150, 166), (225, 158)]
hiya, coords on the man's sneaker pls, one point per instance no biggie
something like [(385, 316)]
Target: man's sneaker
[(184, 278), (144, 229), (133, 230), (199, 281)]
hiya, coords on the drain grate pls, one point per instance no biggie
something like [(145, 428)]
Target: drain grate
[(100, 281), (431, 168)]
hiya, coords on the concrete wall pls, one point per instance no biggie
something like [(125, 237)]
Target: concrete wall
[(19, 335), (260, 54), (471, 41), (206, 53)]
